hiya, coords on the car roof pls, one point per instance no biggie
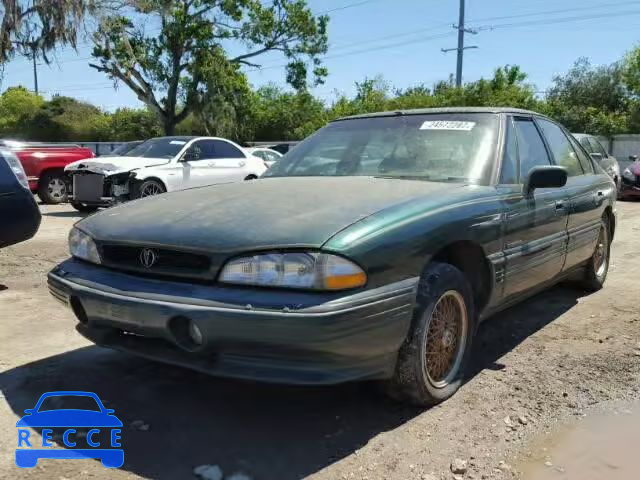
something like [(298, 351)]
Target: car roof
[(426, 111)]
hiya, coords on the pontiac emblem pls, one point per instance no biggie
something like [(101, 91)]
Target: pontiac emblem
[(148, 257)]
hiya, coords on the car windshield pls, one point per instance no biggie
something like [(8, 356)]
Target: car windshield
[(443, 147), (158, 148), (69, 402)]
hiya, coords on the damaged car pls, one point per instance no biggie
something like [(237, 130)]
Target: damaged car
[(159, 165), (371, 251)]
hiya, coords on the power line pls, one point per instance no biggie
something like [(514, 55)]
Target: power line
[(560, 20), (551, 12)]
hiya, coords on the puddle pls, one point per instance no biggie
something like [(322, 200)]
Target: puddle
[(599, 447)]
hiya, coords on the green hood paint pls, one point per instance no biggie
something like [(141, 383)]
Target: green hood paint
[(261, 214)]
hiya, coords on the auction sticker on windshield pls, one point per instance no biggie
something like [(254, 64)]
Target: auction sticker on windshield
[(52, 414), (447, 125)]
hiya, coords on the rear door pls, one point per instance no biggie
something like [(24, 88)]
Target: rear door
[(586, 200), (536, 224), (229, 163)]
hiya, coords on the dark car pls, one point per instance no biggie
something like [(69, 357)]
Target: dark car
[(124, 148), (18, 209), (376, 261)]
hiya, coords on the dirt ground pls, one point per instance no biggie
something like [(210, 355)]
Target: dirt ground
[(537, 368)]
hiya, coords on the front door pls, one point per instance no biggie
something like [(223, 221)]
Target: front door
[(535, 233)]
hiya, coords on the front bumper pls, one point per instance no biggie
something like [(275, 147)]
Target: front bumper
[(260, 334)]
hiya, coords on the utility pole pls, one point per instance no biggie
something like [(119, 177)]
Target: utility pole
[(35, 67), (461, 48)]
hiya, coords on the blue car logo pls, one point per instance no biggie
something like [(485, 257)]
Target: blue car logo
[(97, 418)]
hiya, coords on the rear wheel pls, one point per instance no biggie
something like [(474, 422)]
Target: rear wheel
[(598, 265), (432, 361), (81, 207), (52, 188)]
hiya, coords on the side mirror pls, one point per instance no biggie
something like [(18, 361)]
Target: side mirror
[(29, 411), (597, 157), (633, 158), (545, 177), (109, 411)]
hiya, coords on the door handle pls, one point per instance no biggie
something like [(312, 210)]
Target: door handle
[(560, 205), (211, 164)]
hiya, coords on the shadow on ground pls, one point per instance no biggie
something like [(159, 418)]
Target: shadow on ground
[(73, 214), (3, 287), (267, 431)]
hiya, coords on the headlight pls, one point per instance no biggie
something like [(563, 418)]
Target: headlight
[(628, 174), (319, 271), (16, 167), (82, 246)]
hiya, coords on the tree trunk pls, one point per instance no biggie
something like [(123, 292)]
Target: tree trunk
[(169, 126)]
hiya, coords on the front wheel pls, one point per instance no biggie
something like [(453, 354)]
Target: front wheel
[(149, 188), (431, 362), (598, 264), (52, 188), (81, 207)]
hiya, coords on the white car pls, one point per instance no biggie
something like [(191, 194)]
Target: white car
[(269, 156), (159, 165)]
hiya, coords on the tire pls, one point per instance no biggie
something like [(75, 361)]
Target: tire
[(52, 188), (81, 207), (150, 188), (598, 265), (416, 380)]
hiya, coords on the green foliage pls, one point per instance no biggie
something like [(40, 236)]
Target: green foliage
[(184, 69), (38, 26), (591, 99), (127, 124), (18, 106)]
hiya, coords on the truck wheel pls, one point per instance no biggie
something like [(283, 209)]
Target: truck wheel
[(431, 362), (52, 189), (81, 207)]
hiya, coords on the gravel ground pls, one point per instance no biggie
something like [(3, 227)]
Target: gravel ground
[(536, 367)]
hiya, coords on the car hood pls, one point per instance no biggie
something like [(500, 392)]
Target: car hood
[(69, 418), (255, 215), (112, 165)]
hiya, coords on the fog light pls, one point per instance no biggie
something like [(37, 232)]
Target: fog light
[(195, 334)]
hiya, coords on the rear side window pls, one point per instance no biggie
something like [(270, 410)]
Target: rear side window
[(597, 147), (226, 150), (509, 173), (531, 149), (584, 141), (561, 148), (585, 160)]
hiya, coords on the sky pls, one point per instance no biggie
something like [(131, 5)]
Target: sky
[(401, 40)]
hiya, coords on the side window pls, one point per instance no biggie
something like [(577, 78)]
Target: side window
[(200, 150), (561, 148), (598, 148), (531, 149), (509, 173), (226, 150), (584, 141), (585, 160)]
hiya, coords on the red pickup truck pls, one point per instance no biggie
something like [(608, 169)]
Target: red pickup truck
[(44, 165)]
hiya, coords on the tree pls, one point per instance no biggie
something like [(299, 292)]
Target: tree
[(34, 27), (165, 49), (591, 99), (127, 124), (18, 107)]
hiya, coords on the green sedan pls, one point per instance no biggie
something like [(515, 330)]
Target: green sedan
[(371, 251)]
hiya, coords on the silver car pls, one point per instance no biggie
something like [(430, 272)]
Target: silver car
[(608, 162)]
